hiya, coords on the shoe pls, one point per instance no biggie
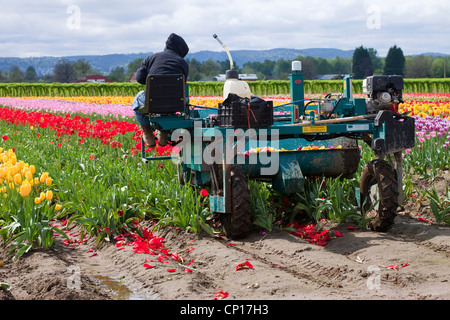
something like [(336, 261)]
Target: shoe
[(162, 137), (149, 137)]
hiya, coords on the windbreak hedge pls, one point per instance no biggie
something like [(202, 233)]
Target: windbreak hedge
[(204, 88)]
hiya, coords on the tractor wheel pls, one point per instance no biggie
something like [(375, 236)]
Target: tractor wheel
[(237, 223), (379, 194)]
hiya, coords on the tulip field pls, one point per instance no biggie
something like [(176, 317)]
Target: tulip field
[(76, 160)]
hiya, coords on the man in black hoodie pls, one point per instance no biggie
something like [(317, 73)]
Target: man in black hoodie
[(169, 61)]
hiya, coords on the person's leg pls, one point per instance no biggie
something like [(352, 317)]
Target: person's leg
[(139, 101), (162, 137)]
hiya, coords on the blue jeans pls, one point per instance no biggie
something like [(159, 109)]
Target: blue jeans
[(139, 102)]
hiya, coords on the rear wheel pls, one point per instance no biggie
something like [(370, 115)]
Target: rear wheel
[(237, 223), (379, 194)]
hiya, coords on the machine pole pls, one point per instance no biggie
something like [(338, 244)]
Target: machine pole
[(297, 87)]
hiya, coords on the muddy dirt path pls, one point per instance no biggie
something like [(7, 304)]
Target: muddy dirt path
[(358, 265)]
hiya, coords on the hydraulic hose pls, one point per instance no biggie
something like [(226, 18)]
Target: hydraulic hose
[(226, 50)]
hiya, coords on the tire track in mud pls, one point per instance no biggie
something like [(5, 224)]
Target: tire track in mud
[(325, 268), (301, 266)]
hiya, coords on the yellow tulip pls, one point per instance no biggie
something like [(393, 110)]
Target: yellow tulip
[(44, 177), (37, 200), (42, 196), (25, 190), (57, 207), (49, 195), (48, 182), (32, 169), (18, 178)]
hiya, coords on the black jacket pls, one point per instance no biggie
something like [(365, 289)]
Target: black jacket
[(169, 61)]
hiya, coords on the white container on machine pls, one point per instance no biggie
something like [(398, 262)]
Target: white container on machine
[(236, 86)]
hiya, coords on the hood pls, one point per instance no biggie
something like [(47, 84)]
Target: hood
[(177, 44)]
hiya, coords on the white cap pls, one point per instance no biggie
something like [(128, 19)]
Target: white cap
[(296, 66)]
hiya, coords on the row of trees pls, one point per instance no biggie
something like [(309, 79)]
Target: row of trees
[(66, 71), (364, 63)]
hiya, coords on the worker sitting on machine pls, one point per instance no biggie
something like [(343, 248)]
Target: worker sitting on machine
[(169, 61)]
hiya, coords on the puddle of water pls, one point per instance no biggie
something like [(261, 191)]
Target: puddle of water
[(119, 290)]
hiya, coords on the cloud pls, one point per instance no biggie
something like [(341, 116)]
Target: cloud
[(47, 27)]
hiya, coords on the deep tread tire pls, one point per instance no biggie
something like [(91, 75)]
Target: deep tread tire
[(238, 223), (381, 174)]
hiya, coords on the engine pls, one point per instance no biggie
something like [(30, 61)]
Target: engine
[(383, 93)]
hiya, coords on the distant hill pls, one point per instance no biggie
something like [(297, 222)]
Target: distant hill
[(242, 56), (105, 63), (434, 54)]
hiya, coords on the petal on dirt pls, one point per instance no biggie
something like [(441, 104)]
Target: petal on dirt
[(393, 267), (338, 233), (244, 265), (424, 220), (171, 270), (221, 294), (146, 265)]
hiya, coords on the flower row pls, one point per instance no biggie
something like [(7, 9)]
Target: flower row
[(67, 124), (19, 176), (416, 104)]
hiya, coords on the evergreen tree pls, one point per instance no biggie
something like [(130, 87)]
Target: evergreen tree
[(15, 74), (395, 62), (30, 74), (362, 65), (118, 75), (82, 67), (64, 71), (133, 66)]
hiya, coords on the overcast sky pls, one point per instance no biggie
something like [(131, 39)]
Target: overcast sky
[(80, 27)]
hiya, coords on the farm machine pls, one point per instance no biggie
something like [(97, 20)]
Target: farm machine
[(247, 137)]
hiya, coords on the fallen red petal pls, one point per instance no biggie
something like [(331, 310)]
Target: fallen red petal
[(146, 265), (244, 265), (338, 233), (221, 294), (424, 220), (393, 267), (171, 270)]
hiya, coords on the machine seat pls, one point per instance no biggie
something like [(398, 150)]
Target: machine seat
[(165, 94)]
